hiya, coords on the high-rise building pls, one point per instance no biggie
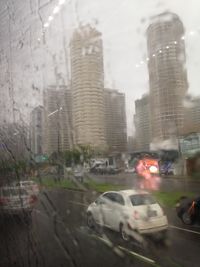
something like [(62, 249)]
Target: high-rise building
[(57, 120), (142, 123), (131, 143), (36, 128), (115, 118), (191, 114), (167, 75), (87, 75)]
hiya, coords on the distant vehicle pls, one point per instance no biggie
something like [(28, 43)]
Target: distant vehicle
[(188, 210), (79, 174), (167, 168), (148, 170), (16, 201), (128, 212), (130, 170), (103, 169), (29, 185), (103, 166)]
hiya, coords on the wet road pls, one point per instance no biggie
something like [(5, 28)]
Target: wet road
[(58, 236), (171, 183)]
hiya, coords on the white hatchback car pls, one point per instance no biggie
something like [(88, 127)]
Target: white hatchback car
[(130, 212)]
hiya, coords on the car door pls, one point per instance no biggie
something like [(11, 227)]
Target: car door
[(98, 210), (115, 213), (106, 209), (113, 210)]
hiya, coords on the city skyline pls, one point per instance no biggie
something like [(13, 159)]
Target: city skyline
[(118, 48)]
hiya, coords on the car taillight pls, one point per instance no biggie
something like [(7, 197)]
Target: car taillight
[(136, 215), (3, 201), (32, 199)]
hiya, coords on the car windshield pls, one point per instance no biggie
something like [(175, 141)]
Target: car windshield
[(142, 199)]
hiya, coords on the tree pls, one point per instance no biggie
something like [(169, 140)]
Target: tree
[(86, 152)]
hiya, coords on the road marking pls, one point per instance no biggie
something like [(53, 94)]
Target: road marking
[(78, 203), (132, 253), (183, 229), (106, 241), (148, 260)]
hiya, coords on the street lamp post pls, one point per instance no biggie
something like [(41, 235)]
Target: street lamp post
[(58, 131)]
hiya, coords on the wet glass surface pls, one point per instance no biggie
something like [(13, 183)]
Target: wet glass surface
[(99, 96)]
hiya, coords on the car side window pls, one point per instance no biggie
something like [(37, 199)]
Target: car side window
[(108, 196), (114, 197), (118, 199)]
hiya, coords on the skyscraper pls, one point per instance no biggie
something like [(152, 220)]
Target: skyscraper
[(57, 120), (191, 114), (115, 117), (142, 123), (167, 75), (87, 75)]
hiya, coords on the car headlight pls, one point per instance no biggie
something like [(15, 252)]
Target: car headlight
[(153, 169)]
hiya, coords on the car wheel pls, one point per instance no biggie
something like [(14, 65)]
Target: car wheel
[(123, 233), (186, 218), (90, 221)]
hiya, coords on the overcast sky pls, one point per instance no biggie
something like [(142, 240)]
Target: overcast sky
[(123, 24)]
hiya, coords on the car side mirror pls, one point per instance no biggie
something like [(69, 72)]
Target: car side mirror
[(99, 202)]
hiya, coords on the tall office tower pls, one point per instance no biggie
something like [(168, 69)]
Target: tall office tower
[(87, 75), (115, 120), (142, 124), (57, 120), (36, 128), (167, 75), (192, 115)]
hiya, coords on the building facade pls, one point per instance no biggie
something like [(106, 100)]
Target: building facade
[(131, 143), (142, 124), (36, 130), (167, 75), (192, 115), (87, 75), (115, 118), (58, 129)]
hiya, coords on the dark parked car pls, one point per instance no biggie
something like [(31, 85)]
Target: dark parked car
[(105, 170), (188, 210)]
